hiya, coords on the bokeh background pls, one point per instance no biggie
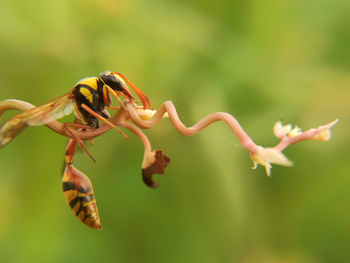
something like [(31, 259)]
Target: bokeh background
[(261, 61)]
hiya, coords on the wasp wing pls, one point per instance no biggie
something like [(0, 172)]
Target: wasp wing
[(53, 110), (41, 115)]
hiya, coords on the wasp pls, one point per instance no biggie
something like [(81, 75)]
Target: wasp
[(90, 100)]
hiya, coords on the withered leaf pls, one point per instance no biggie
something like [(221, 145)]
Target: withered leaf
[(156, 167)]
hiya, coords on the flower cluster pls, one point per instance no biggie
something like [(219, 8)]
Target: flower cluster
[(288, 136)]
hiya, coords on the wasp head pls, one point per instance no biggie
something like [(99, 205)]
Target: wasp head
[(116, 83)]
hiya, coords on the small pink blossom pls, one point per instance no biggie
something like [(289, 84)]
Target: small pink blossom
[(268, 156)]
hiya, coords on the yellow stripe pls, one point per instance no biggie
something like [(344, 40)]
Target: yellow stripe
[(78, 113), (87, 93), (118, 77), (70, 195), (88, 203), (91, 82)]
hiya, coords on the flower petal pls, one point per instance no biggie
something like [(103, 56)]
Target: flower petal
[(268, 156), (324, 133), (268, 169), (148, 114), (281, 131), (295, 132), (271, 155), (323, 136)]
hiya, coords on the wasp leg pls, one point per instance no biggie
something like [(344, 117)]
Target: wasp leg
[(78, 191), (98, 116), (115, 94), (76, 138), (113, 108)]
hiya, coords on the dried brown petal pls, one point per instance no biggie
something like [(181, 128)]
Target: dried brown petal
[(154, 163)]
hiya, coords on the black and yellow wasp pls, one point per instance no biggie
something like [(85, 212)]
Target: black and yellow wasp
[(89, 99)]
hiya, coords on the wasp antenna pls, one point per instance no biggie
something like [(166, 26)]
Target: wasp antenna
[(145, 100)]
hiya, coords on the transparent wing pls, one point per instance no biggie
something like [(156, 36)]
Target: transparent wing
[(53, 110), (43, 114)]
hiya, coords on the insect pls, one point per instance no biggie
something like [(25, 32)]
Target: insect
[(89, 99)]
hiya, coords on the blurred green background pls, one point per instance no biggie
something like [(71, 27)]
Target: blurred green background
[(261, 61)]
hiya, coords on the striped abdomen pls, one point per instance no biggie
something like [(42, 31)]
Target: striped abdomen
[(78, 192)]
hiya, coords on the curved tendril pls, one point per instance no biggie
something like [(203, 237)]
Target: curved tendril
[(169, 107)]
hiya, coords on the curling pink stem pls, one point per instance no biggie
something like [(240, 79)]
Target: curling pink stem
[(169, 107)]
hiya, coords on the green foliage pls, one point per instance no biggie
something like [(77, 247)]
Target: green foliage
[(259, 60)]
